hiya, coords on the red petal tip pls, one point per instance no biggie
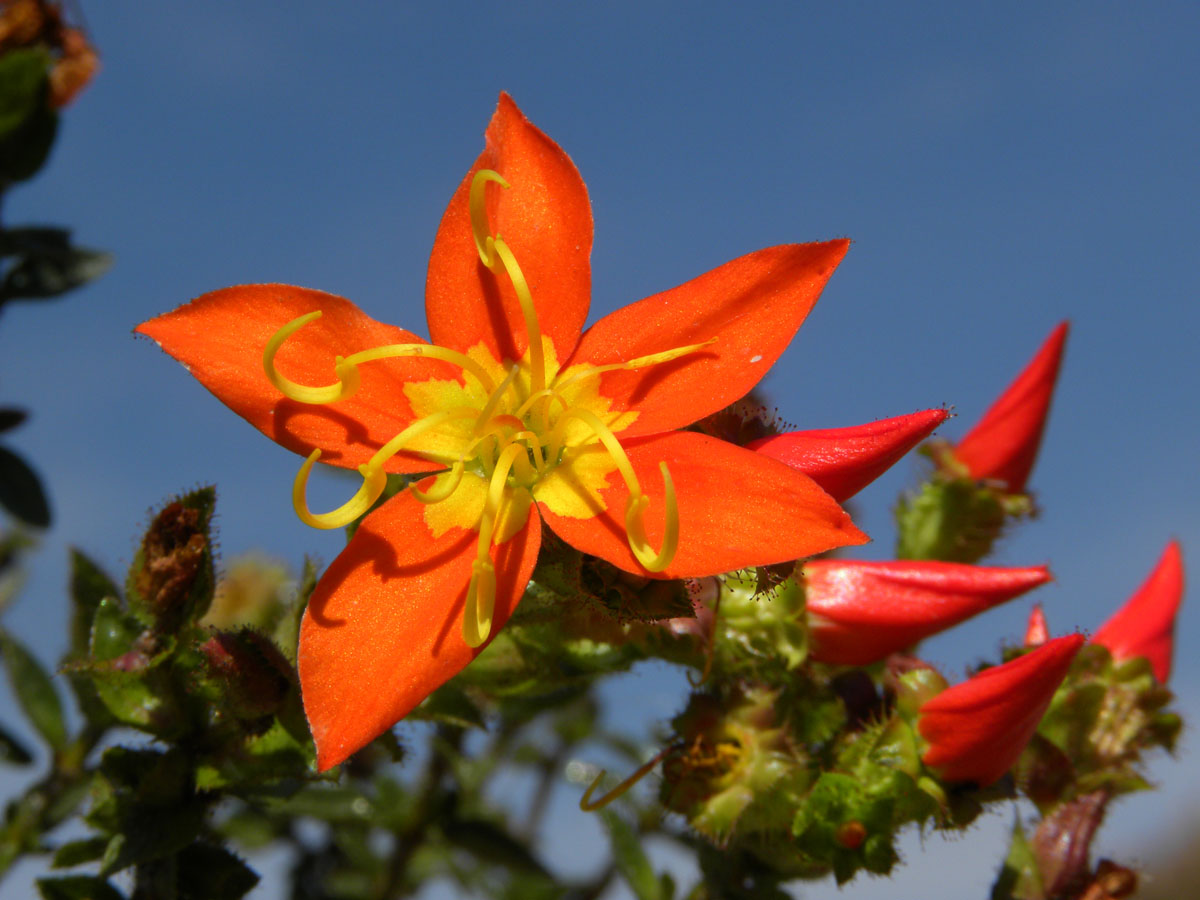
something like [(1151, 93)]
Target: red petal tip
[(1145, 625), (1004, 445), (977, 729), (1037, 632), (861, 612), (845, 460)]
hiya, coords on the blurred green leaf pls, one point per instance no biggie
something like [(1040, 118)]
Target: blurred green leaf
[(631, 859), (10, 418), (27, 122), (34, 690), (449, 705), (89, 586), (45, 273), (77, 887), (12, 751), (490, 843), (206, 872), (76, 853), (21, 491)]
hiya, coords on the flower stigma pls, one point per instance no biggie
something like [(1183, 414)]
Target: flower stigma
[(503, 429)]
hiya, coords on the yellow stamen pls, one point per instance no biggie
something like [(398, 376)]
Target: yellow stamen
[(374, 481), (640, 362), (347, 369), (477, 206), (635, 506), (438, 493), (481, 591)]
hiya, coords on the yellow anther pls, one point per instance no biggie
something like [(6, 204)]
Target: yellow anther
[(477, 206), (440, 492), (374, 481), (635, 527), (480, 604), (587, 804), (347, 369)]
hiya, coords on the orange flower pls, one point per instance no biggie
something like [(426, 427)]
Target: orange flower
[(508, 408)]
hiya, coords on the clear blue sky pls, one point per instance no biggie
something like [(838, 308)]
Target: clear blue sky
[(999, 167)]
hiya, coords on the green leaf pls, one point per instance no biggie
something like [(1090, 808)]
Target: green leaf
[(77, 887), (21, 491), (89, 586), (35, 691), (51, 273), (12, 751), (1020, 878), (207, 872), (491, 844), (76, 853), (630, 859), (10, 418), (450, 705), (27, 122), (123, 685)]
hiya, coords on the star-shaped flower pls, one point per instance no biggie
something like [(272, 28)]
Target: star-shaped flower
[(508, 408)]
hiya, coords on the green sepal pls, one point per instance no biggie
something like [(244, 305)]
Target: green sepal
[(955, 520), (34, 690), (760, 632), (78, 887)]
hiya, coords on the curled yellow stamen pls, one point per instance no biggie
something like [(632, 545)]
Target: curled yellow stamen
[(346, 368), (635, 506), (481, 591), (438, 493), (587, 804), (374, 481), (477, 206), (640, 362)]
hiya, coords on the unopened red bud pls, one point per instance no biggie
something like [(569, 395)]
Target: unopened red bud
[(977, 729), (1004, 445), (1037, 632), (1145, 625), (843, 461), (860, 612), (850, 835)]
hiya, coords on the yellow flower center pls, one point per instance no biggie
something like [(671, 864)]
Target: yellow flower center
[(507, 430)]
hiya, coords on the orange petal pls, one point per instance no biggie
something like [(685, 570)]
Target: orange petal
[(737, 508), (752, 306), (545, 218), (383, 627), (220, 338)]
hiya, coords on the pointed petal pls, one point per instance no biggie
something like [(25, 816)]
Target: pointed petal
[(383, 627), (752, 306), (1004, 445), (1037, 631), (977, 729), (736, 509), (1145, 625), (220, 338), (546, 220), (843, 461), (861, 612)]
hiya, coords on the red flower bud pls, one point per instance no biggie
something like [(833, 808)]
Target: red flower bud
[(1037, 632), (1145, 625), (1004, 445), (977, 729), (843, 461), (860, 612)]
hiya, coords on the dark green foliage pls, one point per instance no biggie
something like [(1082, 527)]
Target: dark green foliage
[(21, 491), (45, 264), (27, 122)]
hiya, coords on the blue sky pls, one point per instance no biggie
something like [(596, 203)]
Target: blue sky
[(999, 168)]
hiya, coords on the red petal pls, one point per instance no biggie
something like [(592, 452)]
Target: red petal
[(1145, 625), (861, 612), (736, 509), (1037, 632), (383, 627), (977, 729), (843, 461), (752, 306), (1004, 445), (220, 338), (546, 220)]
